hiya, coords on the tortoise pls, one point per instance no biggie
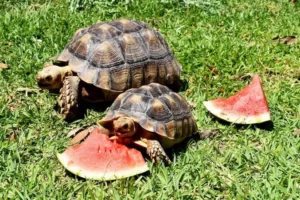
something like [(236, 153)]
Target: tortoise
[(106, 59), (151, 116)]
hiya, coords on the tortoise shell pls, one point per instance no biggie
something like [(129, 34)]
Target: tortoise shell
[(121, 54), (157, 109)]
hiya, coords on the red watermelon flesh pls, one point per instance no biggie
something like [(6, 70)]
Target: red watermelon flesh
[(248, 106), (99, 158)]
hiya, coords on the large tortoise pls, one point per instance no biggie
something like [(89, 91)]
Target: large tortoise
[(106, 59), (152, 116)]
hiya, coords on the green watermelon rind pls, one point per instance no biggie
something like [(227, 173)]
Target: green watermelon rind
[(236, 118), (101, 176)]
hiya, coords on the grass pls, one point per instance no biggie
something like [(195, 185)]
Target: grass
[(233, 37)]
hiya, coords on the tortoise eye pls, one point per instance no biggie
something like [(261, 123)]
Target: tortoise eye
[(48, 78)]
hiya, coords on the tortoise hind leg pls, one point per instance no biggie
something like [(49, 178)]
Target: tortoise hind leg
[(156, 152), (68, 98)]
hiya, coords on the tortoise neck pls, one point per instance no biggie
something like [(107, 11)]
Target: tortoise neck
[(65, 71)]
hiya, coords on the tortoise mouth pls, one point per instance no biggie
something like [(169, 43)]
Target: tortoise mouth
[(121, 135), (44, 85), (118, 134)]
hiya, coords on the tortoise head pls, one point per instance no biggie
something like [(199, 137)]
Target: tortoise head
[(124, 127), (52, 76)]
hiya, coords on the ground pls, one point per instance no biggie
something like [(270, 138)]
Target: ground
[(220, 44)]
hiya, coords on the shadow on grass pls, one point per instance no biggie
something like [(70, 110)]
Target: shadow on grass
[(184, 85)]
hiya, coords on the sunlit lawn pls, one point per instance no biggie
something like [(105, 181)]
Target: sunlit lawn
[(234, 38)]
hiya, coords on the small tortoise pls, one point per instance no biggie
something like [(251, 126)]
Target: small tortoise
[(152, 116), (106, 59)]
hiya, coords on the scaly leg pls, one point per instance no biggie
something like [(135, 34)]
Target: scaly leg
[(156, 152), (68, 99)]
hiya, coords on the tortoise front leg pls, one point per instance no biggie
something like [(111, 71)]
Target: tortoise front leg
[(156, 152), (68, 98)]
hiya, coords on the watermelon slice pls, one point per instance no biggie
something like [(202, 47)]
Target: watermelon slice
[(248, 106), (99, 158)]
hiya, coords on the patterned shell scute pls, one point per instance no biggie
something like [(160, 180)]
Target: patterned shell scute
[(103, 31), (157, 109), (121, 54)]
